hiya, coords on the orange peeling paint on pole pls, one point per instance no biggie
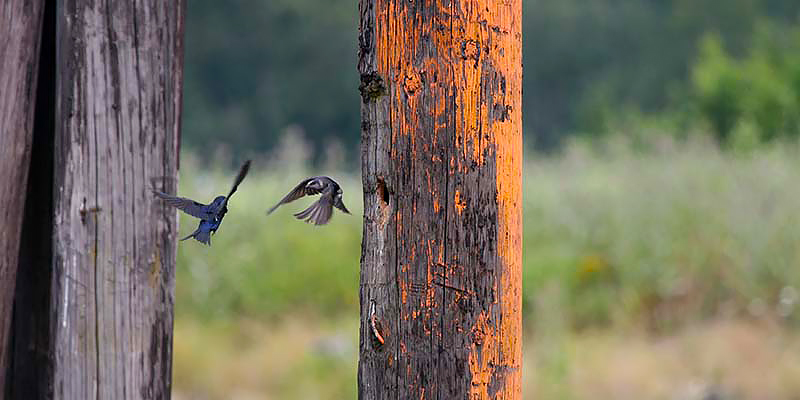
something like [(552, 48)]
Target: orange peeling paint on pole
[(441, 169)]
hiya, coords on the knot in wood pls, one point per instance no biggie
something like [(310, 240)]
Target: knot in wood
[(371, 87), (470, 50), (501, 112), (412, 82)]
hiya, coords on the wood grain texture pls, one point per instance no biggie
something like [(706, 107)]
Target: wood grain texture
[(441, 163), (20, 26), (119, 67)]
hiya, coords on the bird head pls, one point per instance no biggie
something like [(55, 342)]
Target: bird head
[(337, 201), (218, 201)]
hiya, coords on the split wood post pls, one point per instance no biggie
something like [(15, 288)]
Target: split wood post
[(105, 329), (20, 27)]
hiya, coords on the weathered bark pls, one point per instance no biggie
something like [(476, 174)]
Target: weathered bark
[(441, 164), (118, 101), (20, 25)]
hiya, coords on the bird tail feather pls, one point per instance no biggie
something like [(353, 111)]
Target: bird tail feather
[(305, 213), (200, 236), (203, 237)]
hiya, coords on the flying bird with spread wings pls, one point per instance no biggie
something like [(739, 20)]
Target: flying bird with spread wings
[(319, 212), (210, 214)]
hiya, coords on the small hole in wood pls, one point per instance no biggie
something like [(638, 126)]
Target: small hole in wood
[(383, 193)]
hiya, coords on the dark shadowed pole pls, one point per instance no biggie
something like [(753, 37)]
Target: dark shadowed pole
[(20, 26), (94, 311), (441, 162)]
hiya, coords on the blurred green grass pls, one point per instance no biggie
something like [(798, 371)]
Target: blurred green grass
[(267, 266), (678, 232), (661, 238), (672, 240)]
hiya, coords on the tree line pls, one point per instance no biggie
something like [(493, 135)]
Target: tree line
[(255, 69)]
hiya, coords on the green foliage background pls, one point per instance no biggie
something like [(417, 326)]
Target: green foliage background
[(648, 269), (254, 68), (661, 205), (625, 234)]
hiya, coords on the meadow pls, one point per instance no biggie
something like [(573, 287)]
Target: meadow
[(669, 270)]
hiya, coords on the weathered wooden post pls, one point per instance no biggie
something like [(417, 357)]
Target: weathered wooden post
[(441, 162), (105, 331), (20, 27)]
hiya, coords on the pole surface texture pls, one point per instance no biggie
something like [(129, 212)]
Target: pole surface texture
[(442, 174), (118, 102)]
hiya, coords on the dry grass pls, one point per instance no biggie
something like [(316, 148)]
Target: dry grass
[(727, 359), (255, 360), (295, 359)]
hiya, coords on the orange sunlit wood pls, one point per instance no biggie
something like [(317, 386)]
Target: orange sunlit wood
[(441, 162)]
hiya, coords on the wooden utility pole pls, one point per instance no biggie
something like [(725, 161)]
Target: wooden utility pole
[(104, 330), (442, 174), (20, 27)]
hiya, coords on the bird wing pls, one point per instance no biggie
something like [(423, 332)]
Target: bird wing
[(299, 191), (318, 213), (188, 206), (239, 178)]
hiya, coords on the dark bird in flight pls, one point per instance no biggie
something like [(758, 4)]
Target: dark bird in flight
[(320, 211), (211, 214)]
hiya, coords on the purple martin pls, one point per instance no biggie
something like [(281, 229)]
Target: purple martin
[(320, 211), (210, 214)]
